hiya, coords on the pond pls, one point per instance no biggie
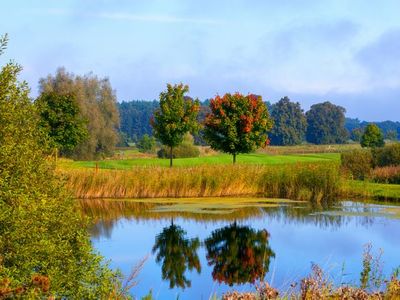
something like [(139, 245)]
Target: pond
[(197, 248)]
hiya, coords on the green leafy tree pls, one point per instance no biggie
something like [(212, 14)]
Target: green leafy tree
[(175, 117), (45, 249), (97, 105), (356, 134), (177, 255), (289, 123), (147, 144), (239, 254), (372, 137), (61, 119), (237, 124), (325, 124)]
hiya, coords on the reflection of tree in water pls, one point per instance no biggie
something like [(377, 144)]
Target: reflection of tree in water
[(177, 254), (239, 254)]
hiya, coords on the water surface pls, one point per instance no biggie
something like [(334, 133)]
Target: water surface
[(200, 247)]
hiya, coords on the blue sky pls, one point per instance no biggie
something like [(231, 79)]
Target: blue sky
[(347, 52)]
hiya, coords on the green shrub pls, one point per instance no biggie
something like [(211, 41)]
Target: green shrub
[(147, 144), (186, 149), (387, 156), (357, 162)]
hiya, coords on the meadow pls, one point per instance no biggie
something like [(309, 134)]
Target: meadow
[(218, 159)]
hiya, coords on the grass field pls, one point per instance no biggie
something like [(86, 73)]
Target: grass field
[(254, 158)]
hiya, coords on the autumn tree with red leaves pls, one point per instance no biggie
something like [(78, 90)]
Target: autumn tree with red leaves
[(237, 124)]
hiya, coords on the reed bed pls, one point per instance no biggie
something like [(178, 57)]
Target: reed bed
[(313, 181), (389, 174)]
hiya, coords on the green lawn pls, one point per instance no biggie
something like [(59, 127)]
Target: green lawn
[(254, 158), (373, 190)]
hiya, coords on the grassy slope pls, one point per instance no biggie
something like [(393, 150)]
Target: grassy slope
[(254, 158)]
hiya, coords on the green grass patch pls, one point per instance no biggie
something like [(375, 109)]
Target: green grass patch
[(366, 189), (253, 158)]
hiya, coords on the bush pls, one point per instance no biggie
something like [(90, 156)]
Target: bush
[(147, 144), (186, 149), (387, 156), (357, 162)]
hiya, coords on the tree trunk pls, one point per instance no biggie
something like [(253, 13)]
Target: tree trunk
[(170, 157), (234, 158)]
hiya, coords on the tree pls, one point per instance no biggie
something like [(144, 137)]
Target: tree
[(237, 124), (372, 137), (147, 144), (239, 254), (97, 105), (61, 119), (356, 134), (177, 254), (289, 123), (43, 237), (175, 117), (325, 124)]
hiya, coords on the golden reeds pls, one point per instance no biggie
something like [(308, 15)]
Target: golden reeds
[(298, 181)]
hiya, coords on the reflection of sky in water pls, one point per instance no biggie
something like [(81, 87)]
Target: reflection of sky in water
[(296, 241)]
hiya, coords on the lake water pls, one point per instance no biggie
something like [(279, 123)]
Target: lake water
[(196, 248)]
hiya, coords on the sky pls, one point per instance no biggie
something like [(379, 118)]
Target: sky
[(343, 51)]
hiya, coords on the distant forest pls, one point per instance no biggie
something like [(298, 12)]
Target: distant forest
[(135, 122)]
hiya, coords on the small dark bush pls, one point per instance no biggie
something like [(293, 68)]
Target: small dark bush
[(387, 156), (358, 163)]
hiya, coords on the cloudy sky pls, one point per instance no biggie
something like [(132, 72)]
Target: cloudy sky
[(344, 51)]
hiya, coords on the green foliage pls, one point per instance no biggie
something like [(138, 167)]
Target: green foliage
[(175, 117), (387, 156), (372, 137), (358, 162), (184, 150), (325, 124), (43, 239), (61, 119), (356, 134), (237, 124), (97, 105), (177, 254), (289, 123), (147, 144)]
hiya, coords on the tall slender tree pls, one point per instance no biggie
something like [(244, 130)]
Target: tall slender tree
[(175, 117)]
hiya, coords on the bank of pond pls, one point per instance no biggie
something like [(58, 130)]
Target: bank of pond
[(316, 182), (197, 248)]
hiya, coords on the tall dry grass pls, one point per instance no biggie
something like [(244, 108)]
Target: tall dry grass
[(299, 181), (389, 174)]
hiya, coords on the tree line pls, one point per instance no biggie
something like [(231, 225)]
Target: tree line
[(83, 120), (290, 123)]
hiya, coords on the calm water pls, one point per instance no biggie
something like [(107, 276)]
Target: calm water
[(197, 248)]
